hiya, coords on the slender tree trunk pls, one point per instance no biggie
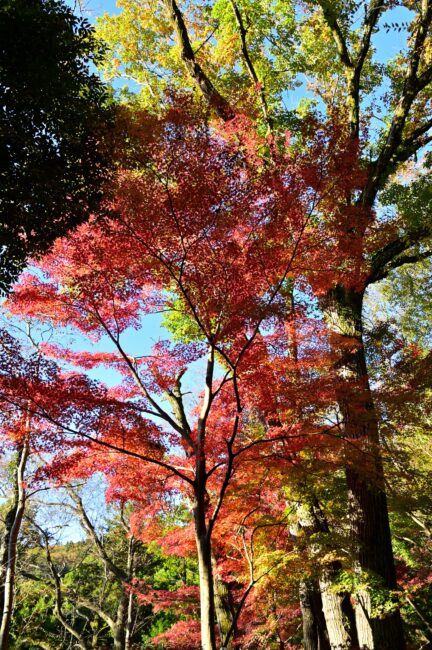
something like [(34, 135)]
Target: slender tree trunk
[(119, 629), (203, 544), (207, 605), (365, 476), (11, 538), (131, 575), (9, 520), (129, 623), (223, 608)]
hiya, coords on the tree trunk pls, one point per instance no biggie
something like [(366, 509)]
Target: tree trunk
[(119, 629), (223, 608), (207, 605), (339, 637), (331, 612), (10, 542), (129, 623), (131, 575), (369, 519), (9, 520), (314, 625)]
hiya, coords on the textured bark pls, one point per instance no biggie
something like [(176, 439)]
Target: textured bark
[(315, 635), (332, 612), (338, 633), (223, 609), (368, 504), (13, 525)]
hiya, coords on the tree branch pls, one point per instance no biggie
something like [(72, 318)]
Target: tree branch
[(211, 94), (353, 64), (336, 31), (58, 607), (250, 67), (413, 84), (90, 530), (392, 256)]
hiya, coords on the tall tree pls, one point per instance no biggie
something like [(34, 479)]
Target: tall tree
[(54, 122)]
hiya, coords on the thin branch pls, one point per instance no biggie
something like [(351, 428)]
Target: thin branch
[(251, 68), (413, 85)]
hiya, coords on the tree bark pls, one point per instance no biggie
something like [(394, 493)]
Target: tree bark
[(331, 612), (131, 575), (13, 525), (338, 634), (207, 605), (368, 510), (315, 635), (119, 628), (223, 609)]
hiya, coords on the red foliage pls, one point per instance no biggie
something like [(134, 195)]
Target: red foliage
[(183, 635), (203, 229)]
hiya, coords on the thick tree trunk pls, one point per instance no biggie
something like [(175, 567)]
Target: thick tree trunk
[(314, 625), (10, 542), (330, 613), (223, 608), (338, 634), (364, 474)]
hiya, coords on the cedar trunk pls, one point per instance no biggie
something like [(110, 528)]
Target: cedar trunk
[(328, 617), (369, 518)]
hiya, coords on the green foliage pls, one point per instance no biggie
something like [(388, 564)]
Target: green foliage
[(142, 48), (53, 126), (180, 324), (83, 577), (413, 201)]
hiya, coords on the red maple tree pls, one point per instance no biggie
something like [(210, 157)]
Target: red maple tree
[(200, 228)]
